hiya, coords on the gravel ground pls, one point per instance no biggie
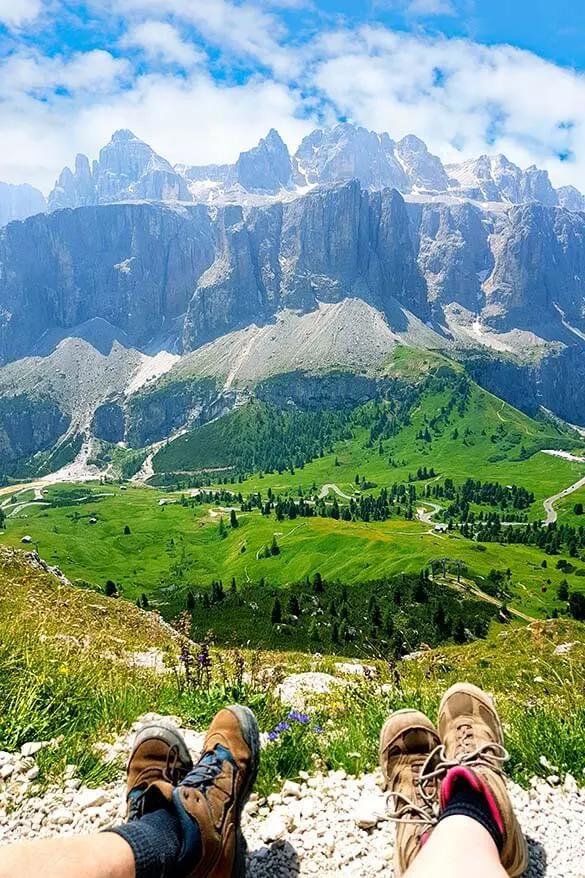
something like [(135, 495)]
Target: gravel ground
[(323, 826)]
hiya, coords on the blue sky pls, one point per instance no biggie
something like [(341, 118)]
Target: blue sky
[(202, 79)]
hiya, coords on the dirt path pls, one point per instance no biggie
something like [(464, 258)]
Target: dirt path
[(425, 515), (336, 490)]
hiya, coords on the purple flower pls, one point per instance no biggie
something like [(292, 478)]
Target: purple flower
[(282, 727), (297, 717), (272, 736), (318, 729)]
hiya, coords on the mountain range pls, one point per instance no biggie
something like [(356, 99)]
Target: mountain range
[(149, 297), (129, 170)]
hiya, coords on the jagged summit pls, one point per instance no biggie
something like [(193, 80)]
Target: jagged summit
[(123, 135), (128, 169)]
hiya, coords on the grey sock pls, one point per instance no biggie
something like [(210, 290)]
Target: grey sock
[(155, 841)]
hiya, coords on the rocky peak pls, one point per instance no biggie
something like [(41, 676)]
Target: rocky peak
[(348, 152), (266, 167), (570, 198), (424, 170), (128, 169)]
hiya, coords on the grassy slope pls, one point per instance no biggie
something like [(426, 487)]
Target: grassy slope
[(65, 682), (182, 545), (491, 435)]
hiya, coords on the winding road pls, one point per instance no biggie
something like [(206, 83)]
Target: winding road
[(336, 490), (549, 503)]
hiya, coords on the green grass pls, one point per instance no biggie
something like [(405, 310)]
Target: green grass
[(63, 676), (178, 547)]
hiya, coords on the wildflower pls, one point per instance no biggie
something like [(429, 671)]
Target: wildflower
[(63, 669), (318, 729), (297, 717), (282, 727), (273, 736)]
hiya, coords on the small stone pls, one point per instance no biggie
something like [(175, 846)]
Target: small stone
[(31, 748), (369, 811), (553, 779), (61, 816), (91, 798), (6, 771), (290, 788), (273, 829)]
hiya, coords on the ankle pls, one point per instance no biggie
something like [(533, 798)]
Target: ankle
[(464, 794)]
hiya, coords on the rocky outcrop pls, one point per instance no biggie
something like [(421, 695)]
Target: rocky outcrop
[(19, 202), (28, 425), (127, 170), (554, 383), (333, 390), (169, 406)]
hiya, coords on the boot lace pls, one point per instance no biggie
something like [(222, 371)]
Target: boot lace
[(206, 771), (432, 770)]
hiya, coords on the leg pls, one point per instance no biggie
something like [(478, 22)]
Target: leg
[(458, 848), (183, 820), (98, 856)]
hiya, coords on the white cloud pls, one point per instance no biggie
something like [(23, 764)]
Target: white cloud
[(27, 73), (15, 13), (431, 7), (244, 29), (161, 41), (461, 97)]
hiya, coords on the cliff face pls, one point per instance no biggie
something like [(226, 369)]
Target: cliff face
[(28, 425), (197, 272), (132, 265)]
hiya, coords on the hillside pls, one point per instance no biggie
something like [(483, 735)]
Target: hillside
[(76, 688)]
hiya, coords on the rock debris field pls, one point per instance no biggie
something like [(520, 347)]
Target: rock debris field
[(325, 825)]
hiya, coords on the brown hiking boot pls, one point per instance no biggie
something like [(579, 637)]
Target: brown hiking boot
[(159, 760), (409, 744), (473, 748), (210, 799)]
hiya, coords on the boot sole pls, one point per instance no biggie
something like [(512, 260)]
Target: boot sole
[(162, 730), (480, 695), (251, 734)]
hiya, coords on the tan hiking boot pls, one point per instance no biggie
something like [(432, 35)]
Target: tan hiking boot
[(159, 760), (473, 748), (409, 745), (210, 799)]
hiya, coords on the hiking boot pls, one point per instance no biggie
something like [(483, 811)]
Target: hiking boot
[(159, 760), (473, 750), (210, 799), (409, 745)]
